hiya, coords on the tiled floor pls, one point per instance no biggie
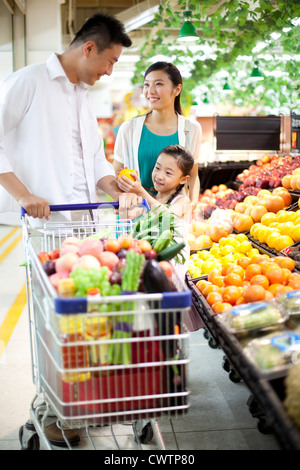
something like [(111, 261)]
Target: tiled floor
[(218, 419)]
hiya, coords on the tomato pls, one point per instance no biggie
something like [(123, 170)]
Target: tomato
[(54, 254), (167, 268), (43, 256), (125, 240), (144, 245), (112, 244)]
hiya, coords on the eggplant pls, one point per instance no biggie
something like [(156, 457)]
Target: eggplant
[(154, 278)]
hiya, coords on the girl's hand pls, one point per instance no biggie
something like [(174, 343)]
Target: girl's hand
[(127, 185)]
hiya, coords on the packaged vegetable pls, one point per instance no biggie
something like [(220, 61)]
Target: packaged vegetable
[(276, 351), (257, 315)]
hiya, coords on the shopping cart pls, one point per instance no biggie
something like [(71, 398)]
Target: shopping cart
[(80, 376)]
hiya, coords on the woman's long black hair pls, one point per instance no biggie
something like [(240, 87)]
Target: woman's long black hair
[(174, 76)]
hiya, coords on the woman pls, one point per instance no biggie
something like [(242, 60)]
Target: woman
[(142, 138)]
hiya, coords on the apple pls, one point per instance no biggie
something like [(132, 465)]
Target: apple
[(109, 259), (90, 246), (66, 262), (43, 256), (86, 262)]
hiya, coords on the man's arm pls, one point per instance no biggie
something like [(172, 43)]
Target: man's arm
[(34, 206)]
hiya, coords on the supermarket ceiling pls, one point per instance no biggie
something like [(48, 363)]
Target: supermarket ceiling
[(134, 14)]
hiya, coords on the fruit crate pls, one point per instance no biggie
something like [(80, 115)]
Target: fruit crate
[(269, 394)]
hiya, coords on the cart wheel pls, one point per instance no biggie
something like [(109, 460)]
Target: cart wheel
[(234, 377), (33, 443), (206, 334), (147, 434), (212, 343), (226, 364), (263, 426)]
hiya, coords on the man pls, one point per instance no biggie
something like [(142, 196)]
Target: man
[(50, 148)]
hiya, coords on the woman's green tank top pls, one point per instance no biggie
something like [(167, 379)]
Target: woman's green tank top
[(149, 148)]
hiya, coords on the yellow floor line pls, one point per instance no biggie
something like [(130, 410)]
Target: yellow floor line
[(11, 319), (10, 248), (14, 230)]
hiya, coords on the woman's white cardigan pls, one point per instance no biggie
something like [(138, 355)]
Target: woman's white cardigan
[(129, 135)]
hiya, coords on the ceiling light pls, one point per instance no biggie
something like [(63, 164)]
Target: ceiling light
[(226, 87), (256, 73), (205, 99), (188, 31)]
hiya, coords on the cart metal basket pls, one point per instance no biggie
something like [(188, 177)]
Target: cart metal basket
[(102, 361)]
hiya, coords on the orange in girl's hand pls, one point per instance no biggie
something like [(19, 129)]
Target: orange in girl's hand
[(127, 172)]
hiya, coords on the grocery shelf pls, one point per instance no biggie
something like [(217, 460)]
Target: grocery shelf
[(268, 394)]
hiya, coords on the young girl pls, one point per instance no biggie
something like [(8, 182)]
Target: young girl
[(169, 176)]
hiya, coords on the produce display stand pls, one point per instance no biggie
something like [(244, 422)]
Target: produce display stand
[(265, 401), (220, 172), (101, 361)]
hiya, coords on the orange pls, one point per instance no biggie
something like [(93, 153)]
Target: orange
[(254, 293), (214, 297), (285, 262), (276, 289), (243, 262), (274, 275), (283, 192), (202, 284), (286, 181), (256, 259), (274, 204), (127, 172), (243, 222), (286, 274), (231, 294), (257, 212), (234, 268), (210, 288), (252, 270), (233, 279), (260, 280), (219, 307), (217, 232)]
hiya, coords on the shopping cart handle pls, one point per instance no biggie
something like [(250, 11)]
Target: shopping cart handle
[(88, 206)]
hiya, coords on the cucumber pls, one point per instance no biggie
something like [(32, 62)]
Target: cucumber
[(163, 241), (170, 252)]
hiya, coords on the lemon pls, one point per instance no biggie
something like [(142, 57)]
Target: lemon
[(208, 266), (252, 252), (241, 237), (244, 247), (227, 249)]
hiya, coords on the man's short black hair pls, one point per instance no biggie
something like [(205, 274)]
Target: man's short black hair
[(104, 30)]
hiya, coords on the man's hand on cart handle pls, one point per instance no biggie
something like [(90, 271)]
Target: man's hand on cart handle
[(34, 206), (129, 203)]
